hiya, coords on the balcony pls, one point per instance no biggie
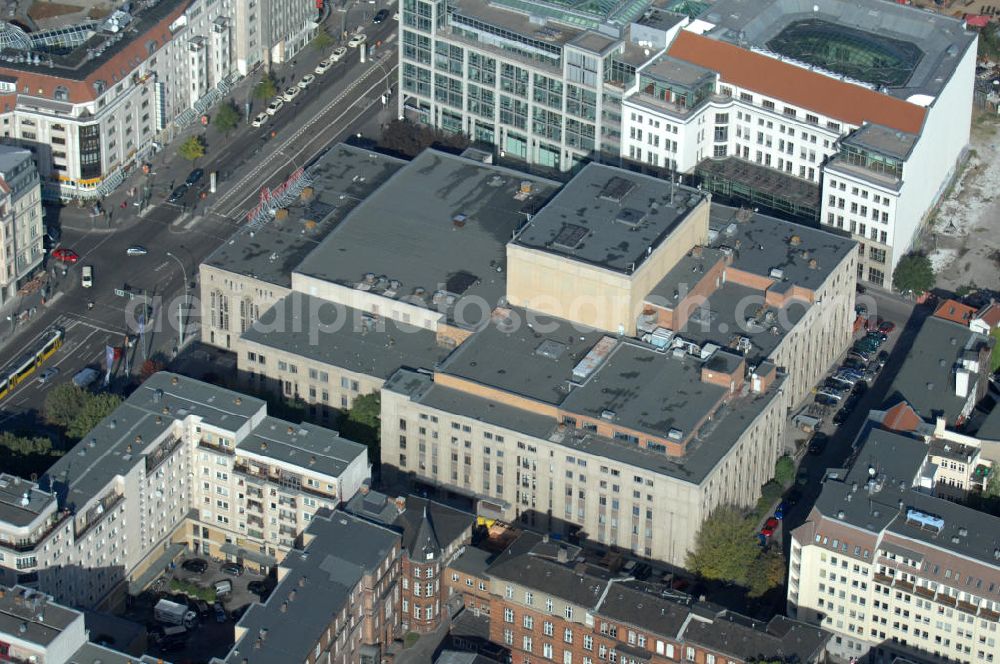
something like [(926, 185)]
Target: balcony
[(884, 579), (255, 506), (285, 480), (29, 545), (97, 513), (161, 453), (215, 447), (924, 591)]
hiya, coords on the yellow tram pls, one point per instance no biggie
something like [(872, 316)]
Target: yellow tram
[(40, 350)]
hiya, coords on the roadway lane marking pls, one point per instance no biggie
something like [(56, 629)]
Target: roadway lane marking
[(54, 299), (194, 220), (252, 175)]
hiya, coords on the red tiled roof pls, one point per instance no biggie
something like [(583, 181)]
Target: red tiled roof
[(977, 20), (990, 315), (901, 417), (955, 311), (795, 85)]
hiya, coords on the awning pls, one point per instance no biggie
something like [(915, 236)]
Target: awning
[(141, 582), (231, 549)]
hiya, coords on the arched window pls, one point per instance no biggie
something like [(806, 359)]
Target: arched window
[(61, 93)]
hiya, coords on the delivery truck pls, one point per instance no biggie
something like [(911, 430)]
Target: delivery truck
[(172, 613)]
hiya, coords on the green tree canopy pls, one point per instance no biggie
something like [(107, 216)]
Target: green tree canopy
[(266, 88), (784, 470), (913, 273), (193, 148), (63, 403), (95, 408), (322, 40), (25, 445), (226, 117), (362, 423), (725, 547), (767, 573)]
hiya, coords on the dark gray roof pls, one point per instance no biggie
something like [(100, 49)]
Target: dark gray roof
[(344, 337), (532, 355), (680, 72), (883, 140), (423, 524), (893, 462), (761, 244), (460, 657), (990, 427), (12, 492), (308, 446), (926, 378), (609, 217), (551, 577), (31, 610), (473, 561), (91, 653), (342, 177), (439, 223), (87, 469), (315, 588), (684, 275), (740, 637), (941, 39), (645, 610)]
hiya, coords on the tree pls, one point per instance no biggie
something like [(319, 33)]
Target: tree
[(25, 445), (363, 422), (784, 470), (767, 573), (150, 367), (322, 40), (193, 148), (266, 88), (63, 403), (95, 408), (725, 547), (913, 273), (992, 489), (226, 117)]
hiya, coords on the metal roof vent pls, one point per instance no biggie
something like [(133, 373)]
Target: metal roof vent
[(777, 273), (675, 434), (608, 415), (963, 532), (795, 240), (840, 514)]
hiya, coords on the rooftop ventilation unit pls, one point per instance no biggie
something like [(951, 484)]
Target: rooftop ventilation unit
[(594, 358), (675, 434), (777, 273), (608, 415), (924, 520)]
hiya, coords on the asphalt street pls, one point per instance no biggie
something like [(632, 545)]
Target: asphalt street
[(179, 235)]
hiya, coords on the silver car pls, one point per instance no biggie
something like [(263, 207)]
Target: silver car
[(136, 251)]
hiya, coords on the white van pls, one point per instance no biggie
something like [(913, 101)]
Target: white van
[(87, 276)]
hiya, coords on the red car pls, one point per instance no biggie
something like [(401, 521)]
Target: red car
[(886, 327), (769, 527), (65, 255)]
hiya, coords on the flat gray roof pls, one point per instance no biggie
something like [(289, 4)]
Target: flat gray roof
[(896, 461), (345, 548), (761, 244), (609, 217), (990, 427), (941, 39), (86, 470), (926, 378), (91, 653), (533, 355), (305, 445), (343, 176), (441, 223), (12, 492), (672, 70), (684, 275), (780, 639), (883, 140), (43, 620), (344, 337)]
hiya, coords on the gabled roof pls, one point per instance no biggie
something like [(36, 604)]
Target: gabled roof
[(990, 314), (901, 417), (796, 85), (955, 311)]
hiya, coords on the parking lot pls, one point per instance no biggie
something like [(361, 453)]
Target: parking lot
[(212, 633)]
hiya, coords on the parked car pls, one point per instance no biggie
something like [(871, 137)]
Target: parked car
[(223, 587), (65, 255), (258, 588), (194, 176), (306, 81), (220, 613), (838, 383), (886, 327), (48, 375), (275, 106), (860, 355), (136, 250), (357, 40), (235, 569), (642, 571), (380, 16), (818, 443), (769, 527), (854, 363), (833, 393), (322, 67), (779, 511), (802, 477), (882, 358), (338, 53), (177, 194), (291, 93), (825, 400), (196, 565), (87, 276)]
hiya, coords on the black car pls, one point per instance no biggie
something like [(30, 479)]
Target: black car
[(178, 193), (194, 176), (841, 416), (882, 357), (380, 16), (818, 443), (234, 569), (642, 571), (196, 565), (257, 588)]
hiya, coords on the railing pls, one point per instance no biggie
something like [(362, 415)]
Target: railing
[(160, 454), (22, 546), (215, 447), (108, 505), (243, 469)]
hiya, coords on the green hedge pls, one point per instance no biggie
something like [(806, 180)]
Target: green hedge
[(192, 590)]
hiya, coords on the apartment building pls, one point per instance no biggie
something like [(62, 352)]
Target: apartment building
[(728, 92), (34, 628), (21, 230), (92, 100), (178, 461), (546, 605), (894, 567), (432, 536), (337, 599)]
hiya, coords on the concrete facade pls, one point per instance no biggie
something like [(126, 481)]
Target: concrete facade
[(21, 231)]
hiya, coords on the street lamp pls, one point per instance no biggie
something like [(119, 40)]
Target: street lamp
[(180, 313)]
